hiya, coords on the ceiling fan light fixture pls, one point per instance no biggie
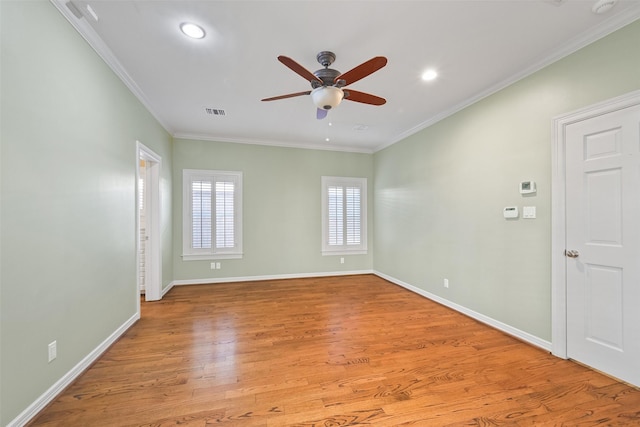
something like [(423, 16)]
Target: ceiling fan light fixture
[(327, 97), (192, 30)]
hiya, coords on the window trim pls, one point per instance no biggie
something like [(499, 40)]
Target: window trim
[(190, 254), (361, 249)]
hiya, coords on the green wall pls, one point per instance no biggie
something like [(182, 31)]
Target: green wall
[(281, 208), (67, 257), (68, 160), (439, 194)]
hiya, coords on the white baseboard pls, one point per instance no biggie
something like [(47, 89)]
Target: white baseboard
[(40, 403), (268, 277), (48, 396), (165, 290), (524, 336)]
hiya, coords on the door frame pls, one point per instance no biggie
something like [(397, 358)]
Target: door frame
[(153, 266), (558, 211)]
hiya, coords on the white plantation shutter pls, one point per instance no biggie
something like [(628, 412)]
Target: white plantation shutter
[(352, 213), (344, 215), (336, 217), (225, 227), (212, 214), (201, 214)]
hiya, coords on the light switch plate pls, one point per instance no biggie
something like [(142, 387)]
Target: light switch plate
[(529, 212)]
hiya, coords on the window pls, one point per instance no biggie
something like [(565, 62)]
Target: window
[(344, 215), (212, 215)]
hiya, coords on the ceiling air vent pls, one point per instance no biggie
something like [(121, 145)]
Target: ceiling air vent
[(215, 111), (603, 6)]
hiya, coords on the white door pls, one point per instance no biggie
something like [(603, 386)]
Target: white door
[(603, 243)]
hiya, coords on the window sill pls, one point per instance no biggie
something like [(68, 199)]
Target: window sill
[(199, 257), (345, 252)]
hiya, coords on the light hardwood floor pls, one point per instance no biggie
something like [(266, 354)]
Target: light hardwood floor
[(337, 351)]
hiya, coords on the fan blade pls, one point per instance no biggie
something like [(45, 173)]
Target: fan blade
[(362, 70), (290, 95), (298, 69), (321, 114), (365, 98)]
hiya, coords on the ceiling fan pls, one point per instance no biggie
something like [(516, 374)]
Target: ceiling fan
[(327, 84)]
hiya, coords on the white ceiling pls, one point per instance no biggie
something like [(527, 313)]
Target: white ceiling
[(477, 46)]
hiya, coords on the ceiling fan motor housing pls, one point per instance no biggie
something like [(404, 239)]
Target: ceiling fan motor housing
[(327, 75), (327, 83)]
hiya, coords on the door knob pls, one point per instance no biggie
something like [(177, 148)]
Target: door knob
[(572, 253)]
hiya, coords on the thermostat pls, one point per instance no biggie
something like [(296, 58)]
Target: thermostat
[(511, 212), (527, 187)]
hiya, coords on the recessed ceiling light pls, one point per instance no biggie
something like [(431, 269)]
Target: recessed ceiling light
[(192, 30), (429, 75), (327, 139)]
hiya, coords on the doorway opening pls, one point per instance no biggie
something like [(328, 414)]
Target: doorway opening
[(148, 239)]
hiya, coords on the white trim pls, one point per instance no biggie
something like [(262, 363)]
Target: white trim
[(154, 271), (270, 143), (344, 252), (607, 27), (213, 176), (95, 41), (344, 182), (558, 212), (167, 289), (40, 403), (214, 280), (48, 396), (199, 257), (503, 327)]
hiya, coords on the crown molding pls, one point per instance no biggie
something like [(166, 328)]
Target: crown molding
[(302, 146), (607, 27), (95, 41)]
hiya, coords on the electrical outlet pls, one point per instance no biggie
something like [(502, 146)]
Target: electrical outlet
[(53, 350), (217, 266), (446, 283), (341, 260), (213, 265)]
